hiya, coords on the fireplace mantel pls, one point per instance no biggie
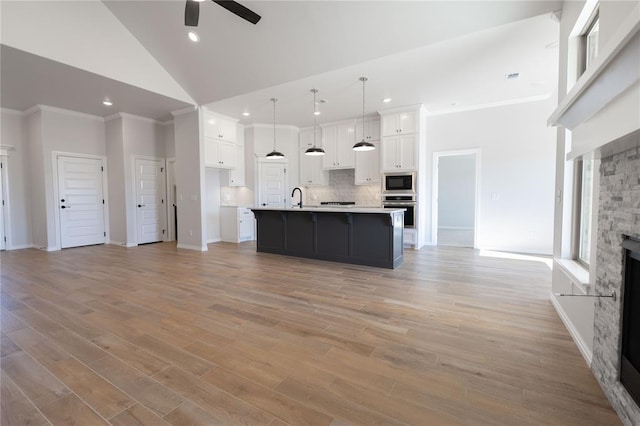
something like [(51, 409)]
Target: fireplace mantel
[(604, 104)]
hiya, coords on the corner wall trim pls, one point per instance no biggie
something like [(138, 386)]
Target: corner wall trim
[(587, 354)]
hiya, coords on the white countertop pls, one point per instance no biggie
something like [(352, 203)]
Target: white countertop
[(333, 209)]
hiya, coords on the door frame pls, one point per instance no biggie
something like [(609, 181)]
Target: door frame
[(5, 208), (135, 193), (170, 181), (56, 194), (434, 191), (262, 160)]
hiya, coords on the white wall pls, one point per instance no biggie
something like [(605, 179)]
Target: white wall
[(13, 133), (212, 196), (190, 183), (169, 140), (456, 191), (36, 179), (117, 202), (517, 164)]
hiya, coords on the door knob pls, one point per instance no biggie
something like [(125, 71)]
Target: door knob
[(264, 204), (62, 201), (141, 205), (65, 207)]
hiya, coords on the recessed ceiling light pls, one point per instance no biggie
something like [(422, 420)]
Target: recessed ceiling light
[(386, 100), (107, 102), (246, 114), (194, 37), (199, 1), (212, 121), (316, 113)]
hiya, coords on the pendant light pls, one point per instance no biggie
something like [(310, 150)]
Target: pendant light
[(274, 155), (316, 151), (363, 145)]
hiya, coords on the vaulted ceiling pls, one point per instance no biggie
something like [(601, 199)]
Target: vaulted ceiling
[(434, 52)]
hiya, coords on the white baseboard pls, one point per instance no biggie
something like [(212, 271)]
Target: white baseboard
[(587, 353), (456, 228), (215, 240), (189, 247), (21, 246), (116, 243)]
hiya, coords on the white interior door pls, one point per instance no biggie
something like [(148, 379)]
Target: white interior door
[(150, 195), (172, 203), (81, 201), (273, 184), (3, 235)]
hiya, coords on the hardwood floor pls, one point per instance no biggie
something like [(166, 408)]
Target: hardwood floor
[(155, 335)]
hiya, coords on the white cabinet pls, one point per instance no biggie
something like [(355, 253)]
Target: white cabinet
[(219, 153), (400, 153), (368, 166), (235, 176), (338, 141), (371, 130), (306, 138), (311, 172), (399, 123), (219, 127), (237, 224)]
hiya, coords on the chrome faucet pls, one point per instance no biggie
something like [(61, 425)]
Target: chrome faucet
[(293, 193)]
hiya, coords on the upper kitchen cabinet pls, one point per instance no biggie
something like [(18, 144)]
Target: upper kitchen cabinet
[(403, 138), (399, 153), (338, 140), (220, 127), (399, 123), (371, 130), (219, 153), (368, 166), (236, 175), (306, 137)]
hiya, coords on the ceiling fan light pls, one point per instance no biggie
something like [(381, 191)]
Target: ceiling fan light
[(364, 146), (314, 151)]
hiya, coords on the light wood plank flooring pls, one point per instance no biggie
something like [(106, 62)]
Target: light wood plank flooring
[(155, 335)]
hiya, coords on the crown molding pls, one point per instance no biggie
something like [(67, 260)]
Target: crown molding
[(57, 110), (11, 111), (166, 123), (270, 126), (183, 111), (416, 107), (217, 114), (491, 104)]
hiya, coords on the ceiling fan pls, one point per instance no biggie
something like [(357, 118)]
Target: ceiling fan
[(192, 11)]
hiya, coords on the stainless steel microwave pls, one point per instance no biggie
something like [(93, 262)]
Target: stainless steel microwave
[(399, 182)]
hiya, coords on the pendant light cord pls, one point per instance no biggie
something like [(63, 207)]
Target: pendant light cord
[(314, 116), (364, 79), (274, 122)]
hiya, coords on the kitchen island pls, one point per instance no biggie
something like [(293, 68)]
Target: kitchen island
[(361, 236)]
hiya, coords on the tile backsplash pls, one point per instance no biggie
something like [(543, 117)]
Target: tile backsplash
[(342, 188)]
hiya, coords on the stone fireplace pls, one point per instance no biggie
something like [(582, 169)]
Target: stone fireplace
[(618, 218)]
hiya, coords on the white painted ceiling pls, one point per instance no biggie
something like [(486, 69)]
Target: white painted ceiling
[(426, 52)]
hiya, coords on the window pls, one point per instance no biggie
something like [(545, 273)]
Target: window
[(583, 211), (590, 42)]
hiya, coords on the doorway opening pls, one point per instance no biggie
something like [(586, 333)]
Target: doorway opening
[(455, 201), (4, 199)]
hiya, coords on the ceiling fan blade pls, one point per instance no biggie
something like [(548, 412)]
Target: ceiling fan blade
[(191, 13), (238, 9)]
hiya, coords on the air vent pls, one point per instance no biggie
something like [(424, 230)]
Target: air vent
[(512, 76)]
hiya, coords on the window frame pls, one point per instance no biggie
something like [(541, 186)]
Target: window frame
[(584, 59), (578, 207)]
